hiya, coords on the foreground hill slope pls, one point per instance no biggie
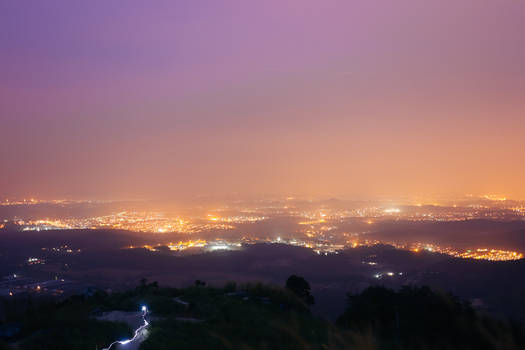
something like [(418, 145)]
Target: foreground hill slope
[(256, 316)]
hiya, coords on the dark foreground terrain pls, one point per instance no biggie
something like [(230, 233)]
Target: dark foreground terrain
[(497, 287), (255, 316)]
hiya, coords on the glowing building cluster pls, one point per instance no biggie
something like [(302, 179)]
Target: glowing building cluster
[(491, 254), (323, 229), (196, 244), (153, 222)]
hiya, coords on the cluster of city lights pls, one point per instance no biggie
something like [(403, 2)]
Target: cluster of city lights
[(155, 222), (35, 261), (198, 244), (491, 254), (63, 249), (237, 219), (320, 229), (478, 254), (35, 201)]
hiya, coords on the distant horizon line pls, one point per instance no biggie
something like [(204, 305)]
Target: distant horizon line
[(423, 198)]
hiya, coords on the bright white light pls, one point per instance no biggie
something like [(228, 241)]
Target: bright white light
[(219, 247), (137, 332), (392, 210)]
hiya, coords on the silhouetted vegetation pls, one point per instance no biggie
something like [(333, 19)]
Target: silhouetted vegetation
[(419, 318), (199, 283), (300, 287), (258, 316), (67, 325)]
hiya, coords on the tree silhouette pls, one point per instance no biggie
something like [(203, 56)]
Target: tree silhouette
[(199, 283), (300, 287)]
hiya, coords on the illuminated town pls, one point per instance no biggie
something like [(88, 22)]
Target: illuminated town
[(320, 229), (129, 221)]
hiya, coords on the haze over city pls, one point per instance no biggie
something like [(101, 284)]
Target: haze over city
[(102, 100)]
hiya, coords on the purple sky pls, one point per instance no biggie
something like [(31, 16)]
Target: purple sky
[(111, 99)]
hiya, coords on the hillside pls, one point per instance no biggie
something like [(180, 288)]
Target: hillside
[(253, 316)]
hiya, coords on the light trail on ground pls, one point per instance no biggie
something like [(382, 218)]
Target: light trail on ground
[(137, 331)]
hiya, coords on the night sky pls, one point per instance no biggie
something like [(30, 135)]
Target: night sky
[(145, 99)]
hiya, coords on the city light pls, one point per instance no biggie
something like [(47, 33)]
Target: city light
[(319, 229)]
